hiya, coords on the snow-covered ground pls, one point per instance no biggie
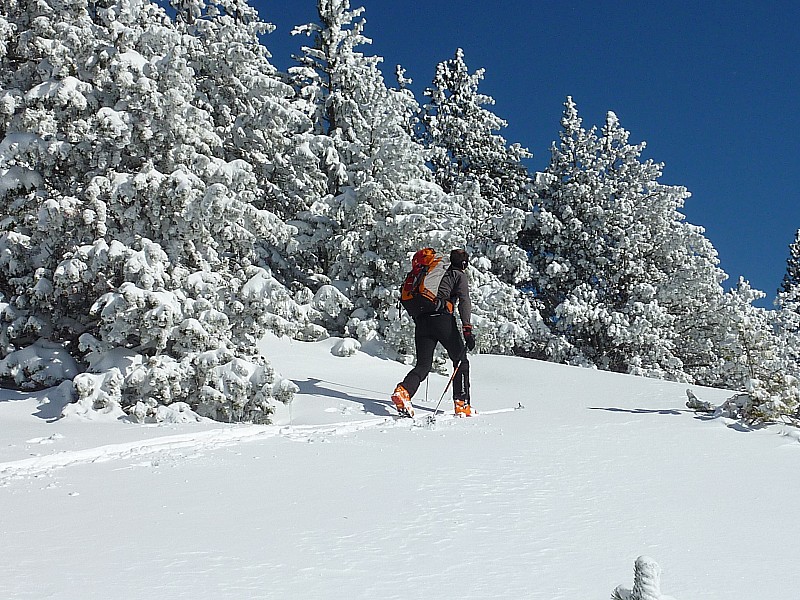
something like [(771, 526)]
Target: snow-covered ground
[(339, 500)]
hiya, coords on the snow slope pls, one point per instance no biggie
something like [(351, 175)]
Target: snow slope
[(339, 500)]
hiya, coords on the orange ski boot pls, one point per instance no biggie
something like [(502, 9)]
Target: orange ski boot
[(402, 401), (462, 408)]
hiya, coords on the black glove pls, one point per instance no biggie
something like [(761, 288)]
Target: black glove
[(469, 338)]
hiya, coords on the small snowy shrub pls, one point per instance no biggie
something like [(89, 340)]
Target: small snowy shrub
[(40, 365), (333, 307), (774, 397), (97, 394), (646, 582), (346, 347), (698, 405)]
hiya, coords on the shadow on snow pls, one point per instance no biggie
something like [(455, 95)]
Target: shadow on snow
[(315, 387), (642, 411), (50, 402)]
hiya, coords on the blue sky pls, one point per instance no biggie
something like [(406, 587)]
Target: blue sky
[(712, 87)]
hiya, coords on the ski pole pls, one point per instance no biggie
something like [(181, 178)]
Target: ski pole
[(452, 377)]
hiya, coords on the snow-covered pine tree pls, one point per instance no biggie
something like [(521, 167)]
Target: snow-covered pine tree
[(471, 158), (252, 107), (127, 238), (616, 268), (754, 358), (679, 279), (359, 236), (692, 292), (382, 204), (788, 298), (788, 308), (44, 101), (374, 165), (791, 280)]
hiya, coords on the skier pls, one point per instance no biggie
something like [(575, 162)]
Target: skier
[(441, 327)]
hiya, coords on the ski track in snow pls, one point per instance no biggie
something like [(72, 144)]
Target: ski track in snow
[(215, 438), (200, 440)]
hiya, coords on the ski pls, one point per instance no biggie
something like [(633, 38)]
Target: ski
[(430, 417)]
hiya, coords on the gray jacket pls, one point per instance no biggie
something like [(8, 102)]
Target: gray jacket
[(455, 288)]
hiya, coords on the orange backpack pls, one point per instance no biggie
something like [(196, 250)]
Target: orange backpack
[(421, 286)]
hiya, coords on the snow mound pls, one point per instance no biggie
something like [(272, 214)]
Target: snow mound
[(42, 364), (346, 347)]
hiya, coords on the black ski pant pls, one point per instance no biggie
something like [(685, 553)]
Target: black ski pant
[(430, 330)]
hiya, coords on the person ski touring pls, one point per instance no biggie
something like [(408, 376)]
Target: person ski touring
[(435, 322)]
